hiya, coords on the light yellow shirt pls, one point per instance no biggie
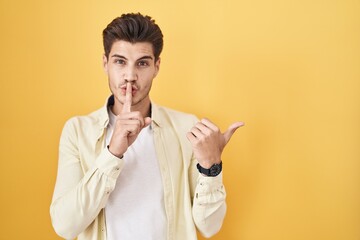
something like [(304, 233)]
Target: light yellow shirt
[(87, 174)]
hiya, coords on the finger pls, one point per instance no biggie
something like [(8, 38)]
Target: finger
[(196, 132), (129, 123), (147, 121), (209, 124), (132, 128), (233, 127), (203, 128), (133, 132), (128, 98), (131, 116), (191, 137)]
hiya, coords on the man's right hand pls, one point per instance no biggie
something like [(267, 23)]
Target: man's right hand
[(128, 125)]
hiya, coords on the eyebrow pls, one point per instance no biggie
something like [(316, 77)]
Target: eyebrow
[(142, 58)]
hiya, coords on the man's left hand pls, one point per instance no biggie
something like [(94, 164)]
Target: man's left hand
[(208, 142)]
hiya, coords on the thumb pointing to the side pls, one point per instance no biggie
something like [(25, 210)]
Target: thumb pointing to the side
[(233, 127)]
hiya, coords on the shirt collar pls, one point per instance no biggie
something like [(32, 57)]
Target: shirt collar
[(104, 114), (155, 116)]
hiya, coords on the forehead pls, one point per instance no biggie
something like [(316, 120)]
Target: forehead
[(128, 49)]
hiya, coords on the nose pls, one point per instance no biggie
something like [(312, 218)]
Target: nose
[(130, 74)]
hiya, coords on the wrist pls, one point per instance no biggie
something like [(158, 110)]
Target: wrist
[(212, 171), (118, 155), (208, 163)]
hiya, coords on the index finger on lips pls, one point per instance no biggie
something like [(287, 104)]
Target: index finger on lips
[(128, 98)]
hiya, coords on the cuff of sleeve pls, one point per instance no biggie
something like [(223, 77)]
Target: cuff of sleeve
[(209, 184), (109, 164)]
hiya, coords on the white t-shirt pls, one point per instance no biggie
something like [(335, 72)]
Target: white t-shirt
[(135, 209)]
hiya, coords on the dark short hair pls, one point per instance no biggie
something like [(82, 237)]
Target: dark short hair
[(134, 28)]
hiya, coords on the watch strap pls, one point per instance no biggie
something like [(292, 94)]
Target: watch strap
[(213, 171)]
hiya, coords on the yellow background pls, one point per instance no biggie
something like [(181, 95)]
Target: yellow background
[(289, 69)]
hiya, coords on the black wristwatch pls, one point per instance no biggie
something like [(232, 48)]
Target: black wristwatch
[(213, 171)]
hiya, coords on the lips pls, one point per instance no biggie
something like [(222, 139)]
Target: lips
[(134, 90), (132, 86)]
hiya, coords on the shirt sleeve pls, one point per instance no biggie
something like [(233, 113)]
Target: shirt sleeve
[(209, 206), (79, 197)]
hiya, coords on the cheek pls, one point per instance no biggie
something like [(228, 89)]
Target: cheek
[(147, 82), (149, 77), (114, 79)]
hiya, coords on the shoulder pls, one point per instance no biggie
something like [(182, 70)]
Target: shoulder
[(87, 122), (175, 113), (173, 117)]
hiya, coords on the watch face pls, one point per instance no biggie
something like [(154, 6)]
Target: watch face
[(215, 170)]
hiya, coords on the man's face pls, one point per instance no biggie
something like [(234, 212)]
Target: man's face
[(131, 62)]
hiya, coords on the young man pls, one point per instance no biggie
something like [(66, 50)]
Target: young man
[(133, 169)]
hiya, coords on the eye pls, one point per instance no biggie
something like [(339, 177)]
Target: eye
[(119, 61), (143, 63)]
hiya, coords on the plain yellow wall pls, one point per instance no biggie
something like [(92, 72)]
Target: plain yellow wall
[(289, 69)]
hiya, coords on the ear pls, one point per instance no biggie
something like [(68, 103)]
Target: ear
[(105, 64), (157, 66)]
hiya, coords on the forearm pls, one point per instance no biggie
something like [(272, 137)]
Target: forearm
[(209, 206), (73, 209)]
